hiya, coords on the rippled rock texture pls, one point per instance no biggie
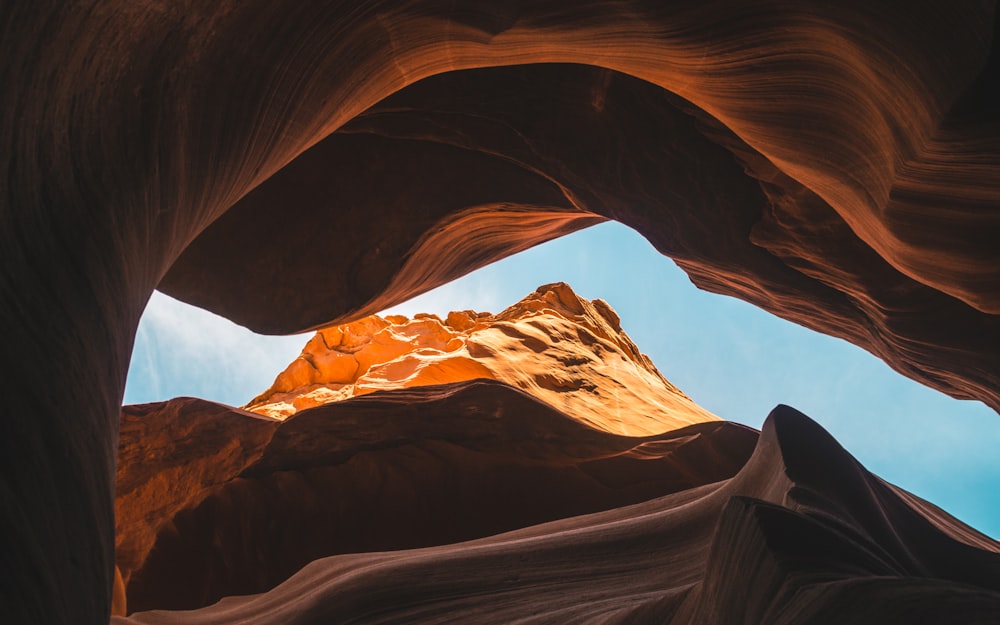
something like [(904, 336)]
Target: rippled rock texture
[(215, 501), (801, 534), (292, 165)]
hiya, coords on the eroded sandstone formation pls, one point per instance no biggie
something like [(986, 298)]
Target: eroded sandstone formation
[(214, 501), (291, 165), (801, 534), (390, 442), (338, 456), (567, 351)]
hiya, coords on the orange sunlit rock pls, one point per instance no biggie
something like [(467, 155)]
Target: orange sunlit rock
[(569, 352)]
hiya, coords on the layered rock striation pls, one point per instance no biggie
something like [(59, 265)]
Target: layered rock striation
[(801, 533), (836, 164), (214, 501), (567, 351)]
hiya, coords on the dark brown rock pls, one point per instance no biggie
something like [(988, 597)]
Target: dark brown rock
[(868, 131), (400, 469), (802, 534)]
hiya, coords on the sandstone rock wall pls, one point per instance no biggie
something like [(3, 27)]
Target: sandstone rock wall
[(842, 173)]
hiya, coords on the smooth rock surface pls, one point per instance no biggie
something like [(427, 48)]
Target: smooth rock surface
[(287, 165), (802, 534), (215, 501)]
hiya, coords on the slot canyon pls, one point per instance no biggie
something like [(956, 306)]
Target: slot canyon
[(303, 166)]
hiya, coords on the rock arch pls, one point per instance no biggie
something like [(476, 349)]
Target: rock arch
[(869, 134)]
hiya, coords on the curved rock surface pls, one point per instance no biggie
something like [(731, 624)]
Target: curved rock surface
[(214, 501), (564, 350), (802, 534), (836, 164)]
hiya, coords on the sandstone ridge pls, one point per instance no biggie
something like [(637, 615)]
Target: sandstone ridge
[(570, 352)]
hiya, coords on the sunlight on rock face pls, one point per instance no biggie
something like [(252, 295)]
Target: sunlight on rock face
[(567, 351)]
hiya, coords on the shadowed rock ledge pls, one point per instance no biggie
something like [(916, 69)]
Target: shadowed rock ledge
[(398, 469), (801, 534)]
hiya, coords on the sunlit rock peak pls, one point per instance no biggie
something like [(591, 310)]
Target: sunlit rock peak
[(554, 345)]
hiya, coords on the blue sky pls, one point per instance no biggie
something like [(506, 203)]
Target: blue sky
[(732, 358)]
